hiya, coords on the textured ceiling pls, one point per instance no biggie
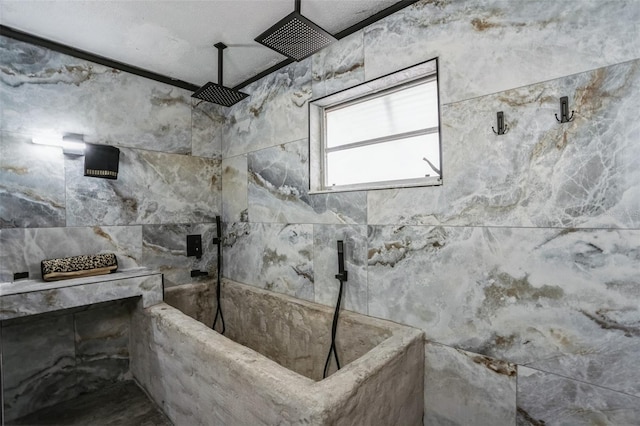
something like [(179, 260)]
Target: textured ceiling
[(176, 38)]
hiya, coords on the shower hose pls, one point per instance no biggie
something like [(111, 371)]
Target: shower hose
[(342, 277), (334, 328)]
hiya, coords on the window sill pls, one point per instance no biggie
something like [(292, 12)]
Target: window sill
[(434, 181)]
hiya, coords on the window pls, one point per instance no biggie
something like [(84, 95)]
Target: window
[(380, 134)]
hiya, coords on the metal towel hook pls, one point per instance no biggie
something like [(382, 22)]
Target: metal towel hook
[(502, 127), (564, 111)]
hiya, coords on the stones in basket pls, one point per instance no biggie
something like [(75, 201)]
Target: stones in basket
[(78, 266)]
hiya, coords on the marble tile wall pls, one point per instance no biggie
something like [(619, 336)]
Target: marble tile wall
[(580, 402), (86, 348), (488, 46), (523, 266), (466, 388), (258, 121), (169, 175), (540, 173), (276, 257), (169, 186), (43, 91)]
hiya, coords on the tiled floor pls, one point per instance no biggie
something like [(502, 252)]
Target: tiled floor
[(123, 404)]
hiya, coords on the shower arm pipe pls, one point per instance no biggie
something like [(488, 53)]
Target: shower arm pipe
[(298, 5), (220, 46)]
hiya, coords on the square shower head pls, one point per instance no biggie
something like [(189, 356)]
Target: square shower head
[(296, 37), (217, 94)]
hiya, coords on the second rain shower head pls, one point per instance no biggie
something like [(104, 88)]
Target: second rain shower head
[(217, 93), (295, 36)]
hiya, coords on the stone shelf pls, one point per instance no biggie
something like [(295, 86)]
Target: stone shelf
[(30, 297)]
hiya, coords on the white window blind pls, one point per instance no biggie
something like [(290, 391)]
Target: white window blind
[(400, 111)]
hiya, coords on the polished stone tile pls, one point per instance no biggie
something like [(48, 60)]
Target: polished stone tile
[(38, 364), (487, 46), (24, 249), (463, 388), (31, 183), (541, 173), (547, 399), (276, 257), (152, 188), (47, 92), (102, 344), (338, 66), (207, 120), (235, 207), (563, 300), (53, 357), (275, 112), (278, 190)]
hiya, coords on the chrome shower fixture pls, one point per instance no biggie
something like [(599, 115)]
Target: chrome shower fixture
[(217, 93), (295, 36)]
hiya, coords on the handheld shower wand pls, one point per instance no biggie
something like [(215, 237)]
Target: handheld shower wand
[(342, 274), (342, 277), (218, 242)]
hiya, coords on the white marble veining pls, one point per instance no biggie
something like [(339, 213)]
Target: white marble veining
[(38, 364), (488, 46), (207, 120), (56, 356), (274, 113), (31, 183), (276, 257), (547, 399), (151, 188), (278, 190), (235, 207), (338, 66), (540, 173), (43, 91), (463, 388), (566, 300)]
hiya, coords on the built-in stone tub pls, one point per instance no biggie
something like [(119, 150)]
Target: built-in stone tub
[(267, 368)]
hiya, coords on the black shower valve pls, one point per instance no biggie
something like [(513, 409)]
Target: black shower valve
[(194, 246)]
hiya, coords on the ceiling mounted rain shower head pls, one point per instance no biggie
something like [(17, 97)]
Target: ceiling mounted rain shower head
[(295, 36), (217, 93)]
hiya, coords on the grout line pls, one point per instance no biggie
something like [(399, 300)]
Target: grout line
[(581, 381), (538, 82)]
